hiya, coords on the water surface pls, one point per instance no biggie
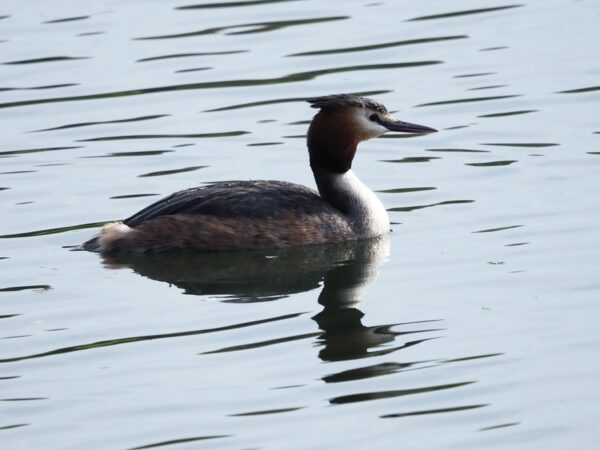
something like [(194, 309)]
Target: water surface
[(472, 326)]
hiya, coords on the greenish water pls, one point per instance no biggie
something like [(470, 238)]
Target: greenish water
[(473, 326)]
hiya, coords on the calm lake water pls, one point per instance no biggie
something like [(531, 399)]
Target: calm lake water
[(475, 325)]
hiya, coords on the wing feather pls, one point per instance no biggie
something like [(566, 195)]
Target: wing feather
[(250, 199)]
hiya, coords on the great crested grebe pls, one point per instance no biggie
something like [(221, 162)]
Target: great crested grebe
[(236, 215)]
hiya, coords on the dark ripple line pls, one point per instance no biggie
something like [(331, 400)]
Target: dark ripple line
[(235, 348), (465, 100), (492, 230), (580, 90), (493, 86), (37, 150), (472, 358), (379, 46), (119, 197), (129, 154), (509, 113), (260, 27), (287, 100), (14, 172), (493, 163), (149, 337), (412, 159), (412, 208), (367, 396), (37, 88), (34, 287), (464, 13), (232, 4), (471, 75), (291, 78), (521, 144), (404, 190), (433, 411), (102, 122), (66, 19), (192, 69), (456, 150), (165, 136), (171, 172), (189, 55), (266, 412), (48, 59), (54, 230), (181, 441), (16, 425), (502, 425)]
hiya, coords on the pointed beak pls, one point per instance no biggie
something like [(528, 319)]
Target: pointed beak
[(405, 127)]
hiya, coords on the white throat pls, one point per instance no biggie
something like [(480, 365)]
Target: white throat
[(346, 192)]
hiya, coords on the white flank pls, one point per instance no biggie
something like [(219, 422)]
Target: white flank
[(110, 232)]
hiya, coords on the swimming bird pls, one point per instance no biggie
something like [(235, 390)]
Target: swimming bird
[(236, 215)]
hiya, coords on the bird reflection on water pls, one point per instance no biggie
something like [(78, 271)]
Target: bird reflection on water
[(343, 270)]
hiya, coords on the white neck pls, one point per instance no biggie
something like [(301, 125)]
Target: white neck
[(351, 196)]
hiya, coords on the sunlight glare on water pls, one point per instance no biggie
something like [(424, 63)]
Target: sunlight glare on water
[(472, 326)]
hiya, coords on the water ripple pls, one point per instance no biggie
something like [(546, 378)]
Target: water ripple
[(161, 173), (379, 46), (181, 441), (291, 78), (412, 208), (502, 425), (432, 411), (288, 100), (492, 163), (465, 100), (119, 197), (456, 150), (36, 150), (266, 412), (38, 88), (580, 90), (404, 190), (16, 425), (103, 122), (522, 144), (46, 59), (232, 4), (35, 287), (472, 75), (464, 13), (482, 88), (127, 154), (266, 343), (166, 136), (66, 19), (256, 27), (412, 159), (148, 337), (492, 230), (510, 113), (189, 55), (54, 230), (367, 396)]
